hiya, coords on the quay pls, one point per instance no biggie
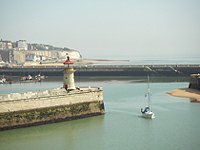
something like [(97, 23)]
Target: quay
[(107, 70)]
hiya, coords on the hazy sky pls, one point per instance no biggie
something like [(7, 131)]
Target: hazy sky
[(106, 28)]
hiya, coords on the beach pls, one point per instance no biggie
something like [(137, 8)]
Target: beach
[(193, 94)]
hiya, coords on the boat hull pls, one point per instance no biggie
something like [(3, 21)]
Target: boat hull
[(149, 115)]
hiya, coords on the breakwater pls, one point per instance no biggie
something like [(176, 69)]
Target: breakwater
[(107, 70), (34, 108)]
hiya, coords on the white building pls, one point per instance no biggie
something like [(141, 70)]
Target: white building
[(22, 45), (5, 45), (35, 58), (32, 57)]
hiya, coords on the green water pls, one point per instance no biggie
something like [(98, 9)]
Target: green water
[(176, 126)]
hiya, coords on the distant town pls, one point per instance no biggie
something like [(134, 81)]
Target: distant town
[(23, 53)]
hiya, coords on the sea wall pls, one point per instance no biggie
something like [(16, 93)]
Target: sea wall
[(195, 81), (49, 108), (107, 70)]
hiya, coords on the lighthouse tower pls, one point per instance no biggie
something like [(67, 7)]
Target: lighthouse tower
[(68, 77)]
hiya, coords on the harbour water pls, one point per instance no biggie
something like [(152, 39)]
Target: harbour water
[(153, 60), (176, 125)]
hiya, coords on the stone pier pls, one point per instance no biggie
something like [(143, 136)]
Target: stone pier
[(34, 108)]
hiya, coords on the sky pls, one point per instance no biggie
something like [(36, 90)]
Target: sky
[(106, 28)]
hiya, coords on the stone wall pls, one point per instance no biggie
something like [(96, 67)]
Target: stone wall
[(52, 107), (25, 118), (194, 81)]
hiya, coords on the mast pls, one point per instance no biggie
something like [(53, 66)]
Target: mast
[(148, 92)]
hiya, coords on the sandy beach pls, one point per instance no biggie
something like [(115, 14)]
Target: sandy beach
[(192, 94)]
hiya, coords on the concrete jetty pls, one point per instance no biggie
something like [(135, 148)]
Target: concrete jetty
[(33, 108), (65, 103)]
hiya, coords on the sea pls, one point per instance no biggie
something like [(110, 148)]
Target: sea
[(175, 126), (153, 60)]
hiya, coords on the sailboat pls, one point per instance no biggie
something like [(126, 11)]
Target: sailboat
[(146, 112)]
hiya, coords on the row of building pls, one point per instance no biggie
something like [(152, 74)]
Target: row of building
[(18, 45), (20, 52), (22, 56), (23, 45)]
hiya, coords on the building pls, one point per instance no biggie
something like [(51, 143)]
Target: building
[(22, 45), (19, 57), (5, 45), (35, 58), (7, 55)]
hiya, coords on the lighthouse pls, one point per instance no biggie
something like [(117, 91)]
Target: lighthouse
[(68, 77)]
